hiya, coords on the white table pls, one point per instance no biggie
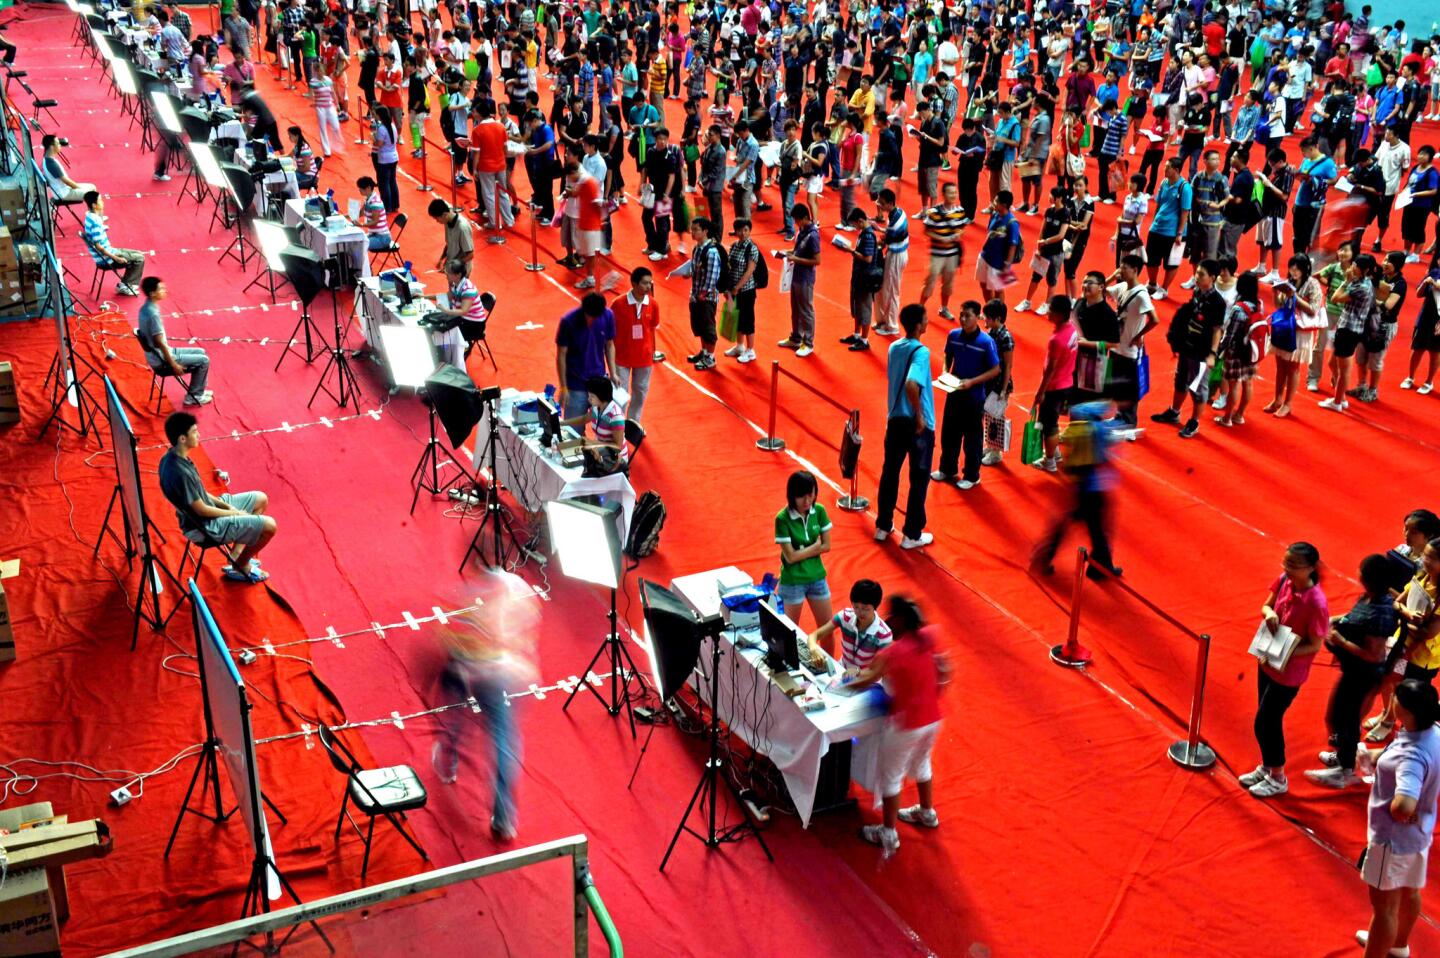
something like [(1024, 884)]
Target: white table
[(534, 477), (326, 241), (795, 740), (376, 312)]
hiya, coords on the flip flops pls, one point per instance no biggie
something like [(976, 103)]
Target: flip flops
[(253, 575)]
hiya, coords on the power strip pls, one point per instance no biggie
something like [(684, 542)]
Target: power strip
[(121, 796)]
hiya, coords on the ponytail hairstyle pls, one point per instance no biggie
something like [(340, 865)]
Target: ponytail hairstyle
[(1310, 555), (904, 616), (1421, 700)]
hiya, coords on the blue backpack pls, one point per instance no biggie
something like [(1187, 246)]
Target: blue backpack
[(1282, 329)]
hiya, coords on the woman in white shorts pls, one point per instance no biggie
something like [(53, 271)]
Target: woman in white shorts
[(914, 672), (1402, 821)]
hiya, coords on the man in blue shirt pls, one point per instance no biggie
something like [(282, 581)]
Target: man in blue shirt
[(542, 165), (909, 431), (1317, 172), (584, 347), (1002, 237), (971, 358), (1172, 209), (97, 241), (1007, 142)]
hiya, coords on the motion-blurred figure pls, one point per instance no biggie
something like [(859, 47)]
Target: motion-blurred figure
[(491, 651), (1087, 441)]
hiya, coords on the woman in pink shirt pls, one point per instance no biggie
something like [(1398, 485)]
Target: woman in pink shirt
[(1053, 396), (1297, 602)]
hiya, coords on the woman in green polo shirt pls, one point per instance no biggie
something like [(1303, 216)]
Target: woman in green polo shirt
[(803, 530)]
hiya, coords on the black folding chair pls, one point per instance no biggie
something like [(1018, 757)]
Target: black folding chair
[(474, 333), (634, 436), (382, 259), (375, 792)]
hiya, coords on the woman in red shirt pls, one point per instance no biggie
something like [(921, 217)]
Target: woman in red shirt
[(913, 672)]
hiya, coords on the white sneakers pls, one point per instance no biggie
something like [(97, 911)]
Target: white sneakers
[(1220, 402), (804, 351), (938, 476), (1334, 406), (1160, 293), (734, 351), (967, 483), (1271, 278), (919, 815), (1188, 284), (748, 356), (1333, 777), (201, 399), (1042, 310), (1363, 936), (1425, 389), (991, 457), (925, 539), (1261, 784), (887, 838), (1407, 383), (1022, 306)]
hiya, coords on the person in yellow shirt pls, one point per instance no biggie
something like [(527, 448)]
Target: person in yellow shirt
[(862, 101), (1419, 635), (659, 71)]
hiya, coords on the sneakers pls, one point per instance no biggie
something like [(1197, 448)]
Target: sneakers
[(1253, 777), (1363, 936), (1368, 394), (1022, 306), (1188, 284), (1220, 402), (1169, 416), (887, 838), (939, 476), (790, 344), (1407, 383), (804, 350), (991, 457), (886, 330), (1333, 777), (586, 283), (1042, 310), (946, 314), (162, 177), (203, 399), (1312, 385), (967, 483), (1334, 406), (125, 289), (656, 257), (1047, 464), (734, 351), (860, 345), (919, 815), (706, 361), (748, 356), (1269, 787), (695, 357), (924, 540), (882, 534), (1329, 758), (446, 762), (1424, 390), (1190, 429), (1160, 293), (847, 340)]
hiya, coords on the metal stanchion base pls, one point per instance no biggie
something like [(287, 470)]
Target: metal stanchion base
[(495, 240), (1076, 658), (427, 188), (770, 444), (853, 503), (1201, 756), (534, 267)]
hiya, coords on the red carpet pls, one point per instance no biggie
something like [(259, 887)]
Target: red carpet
[(1067, 831)]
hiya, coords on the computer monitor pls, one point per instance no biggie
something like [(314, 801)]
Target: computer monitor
[(402, 292), (549, 422), (782, 647)]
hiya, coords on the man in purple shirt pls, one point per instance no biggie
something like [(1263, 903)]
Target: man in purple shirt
[(584, 347)]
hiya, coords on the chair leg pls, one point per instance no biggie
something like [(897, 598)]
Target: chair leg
[(343, 803), (406, 835), (369, 837)]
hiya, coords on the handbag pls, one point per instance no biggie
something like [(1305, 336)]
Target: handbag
[(1142, 375), (1090, 370), (692, 153), (1032, 442), (997, 432), (730, 321), (1075, 164), (647, 196), (995, 405)]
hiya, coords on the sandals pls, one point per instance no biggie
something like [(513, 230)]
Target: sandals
[(1380, 732), (254, 575)]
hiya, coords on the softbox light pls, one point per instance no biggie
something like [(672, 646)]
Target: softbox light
[(305, 271), (456, 399), (672, 637), (241, 183), (409, 355), (586, 540)]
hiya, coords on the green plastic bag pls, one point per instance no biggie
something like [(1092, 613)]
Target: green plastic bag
[(730, 321), (1032, 443), (472, 69), (1085, 138)]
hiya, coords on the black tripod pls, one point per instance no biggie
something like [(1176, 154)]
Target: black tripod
[(496, 518), (707, 793), (240, 248), (67, 386), (305, 323), (150, 568), (426, 476), (620, 697), (347, 388)]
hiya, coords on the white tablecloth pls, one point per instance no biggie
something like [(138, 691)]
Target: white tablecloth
[(795, 740), (351, 239), (534, 478), (375, 312)]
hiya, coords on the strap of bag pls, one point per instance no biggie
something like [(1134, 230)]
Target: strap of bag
[(895, 400)]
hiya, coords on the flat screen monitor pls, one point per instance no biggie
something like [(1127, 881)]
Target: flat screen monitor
[(549, 422), (402, 291), (782, 647)]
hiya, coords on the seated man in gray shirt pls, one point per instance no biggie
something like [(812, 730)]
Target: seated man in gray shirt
[(237, 519), (180, 360)]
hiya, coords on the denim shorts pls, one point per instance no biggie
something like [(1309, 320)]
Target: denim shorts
[(794, 596)]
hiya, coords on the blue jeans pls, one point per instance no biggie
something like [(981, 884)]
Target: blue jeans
[(794, 596), (787, 200), (379, 241), (577, 403), (499, 720)]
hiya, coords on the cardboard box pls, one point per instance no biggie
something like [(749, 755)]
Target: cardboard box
[(8, 570), (27, 916), (12, 203), (9, 399), (9, 259)]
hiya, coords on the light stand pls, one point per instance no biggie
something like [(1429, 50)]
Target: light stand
[(273, 240), (306, 275), (407, 351), (347, 387), (622, 670), (68, 388), (496, 518), (203, 176), (241, 193), (707, 792)]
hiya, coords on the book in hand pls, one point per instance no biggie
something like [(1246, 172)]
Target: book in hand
[(947, 382), (1274, 648)]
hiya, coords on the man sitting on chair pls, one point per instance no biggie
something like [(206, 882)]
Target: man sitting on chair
[(97, 240), (230, 520), (64, 189), (179, 361)]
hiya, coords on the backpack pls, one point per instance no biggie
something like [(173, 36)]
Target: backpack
[(761, 276), (1282, 329), (645, 524), (1179, 325), (726, 281)]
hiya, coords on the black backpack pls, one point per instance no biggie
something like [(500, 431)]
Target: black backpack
[(645, 524), (761, 276), (725, 280)]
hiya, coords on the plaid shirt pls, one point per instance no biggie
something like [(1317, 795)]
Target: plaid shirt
[(1356, 310), (292, 18), (741, 255), (705, 273)]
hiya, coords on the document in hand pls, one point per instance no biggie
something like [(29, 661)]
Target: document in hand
[(1274, 648)]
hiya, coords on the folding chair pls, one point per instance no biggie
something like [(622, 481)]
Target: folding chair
[(101, 268), (634, 436), (391, 254), (375, 792), (474, 333), (159, 373)]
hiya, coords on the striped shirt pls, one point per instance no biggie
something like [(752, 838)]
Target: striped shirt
[(97, 237), (304, 158), (373, 214), (464, 295), (897, 233), (609, 424), (943, 225), (858, 648), (323, 90)]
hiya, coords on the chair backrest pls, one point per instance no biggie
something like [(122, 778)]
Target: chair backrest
[(634, 435), (487, 299), (344, 763), (145, 347), (398, 221)]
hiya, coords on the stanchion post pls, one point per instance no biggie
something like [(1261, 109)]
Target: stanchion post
[(853, 501), (1193, 753), (360, 120), (424, 186), (534, 266), (1072, 654), (497, 219), (772, 442)]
